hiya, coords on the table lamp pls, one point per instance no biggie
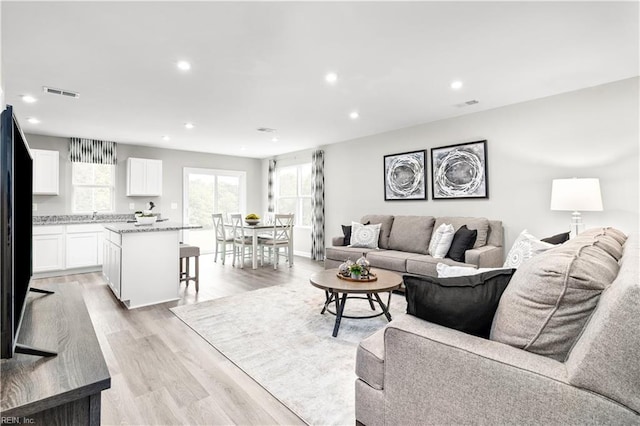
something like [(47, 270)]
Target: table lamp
[(576, 195)]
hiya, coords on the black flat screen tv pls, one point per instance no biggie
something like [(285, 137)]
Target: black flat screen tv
[(16, 223)]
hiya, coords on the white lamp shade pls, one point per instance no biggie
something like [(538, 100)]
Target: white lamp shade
[(576, 194)]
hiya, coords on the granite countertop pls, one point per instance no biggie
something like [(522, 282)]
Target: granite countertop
[(69, 219), (124, 228)]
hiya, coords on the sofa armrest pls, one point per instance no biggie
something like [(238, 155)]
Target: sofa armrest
[(337, 241), (436, 375), (485, 257)]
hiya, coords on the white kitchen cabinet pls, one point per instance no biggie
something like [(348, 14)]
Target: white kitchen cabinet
[(45, 172), (83, 245), (144, 177), (82, 250), (111, 266), (48, 248)]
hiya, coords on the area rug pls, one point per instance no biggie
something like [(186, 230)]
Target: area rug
[(277, 336)]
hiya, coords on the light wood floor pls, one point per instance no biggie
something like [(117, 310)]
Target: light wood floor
[(162, 372)]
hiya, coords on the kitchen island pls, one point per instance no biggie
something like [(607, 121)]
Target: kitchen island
[(141, 262)]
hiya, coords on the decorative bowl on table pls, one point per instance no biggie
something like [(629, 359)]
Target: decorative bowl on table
[(252, 219), (146, 220)]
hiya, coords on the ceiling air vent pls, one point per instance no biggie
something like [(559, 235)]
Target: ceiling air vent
[(265, 129), (61, 92), (468, 103)]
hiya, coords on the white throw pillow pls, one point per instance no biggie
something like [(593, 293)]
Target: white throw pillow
[(525, 247), (447, 271), (441, 241), (364, 236)]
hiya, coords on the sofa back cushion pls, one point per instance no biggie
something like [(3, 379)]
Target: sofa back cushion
[(411, 233), (605, 357), (481, 224), (385, 221), (552, 295)]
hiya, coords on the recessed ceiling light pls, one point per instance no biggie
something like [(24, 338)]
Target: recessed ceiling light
[(331, 78), (243, 148), (184, 65), (456, 85), (165, 138), (274, 139), (33, 120), (189, 125), (354, 115), (28, 99)]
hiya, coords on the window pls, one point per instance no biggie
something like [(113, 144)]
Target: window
[(293, 192), (93, 187)]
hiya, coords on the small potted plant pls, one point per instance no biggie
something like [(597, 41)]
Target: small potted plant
[(356, 271)]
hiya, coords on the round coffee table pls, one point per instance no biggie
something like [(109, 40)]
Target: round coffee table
[(338, 291)]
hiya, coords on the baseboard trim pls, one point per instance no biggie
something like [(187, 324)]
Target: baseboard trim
[(63, 272)]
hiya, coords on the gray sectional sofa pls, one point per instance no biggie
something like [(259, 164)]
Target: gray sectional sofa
[(404, 242), (416, 372)]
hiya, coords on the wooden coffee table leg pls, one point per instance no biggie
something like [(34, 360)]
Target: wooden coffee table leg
[(340, 308), (385, 308), (373, 308)]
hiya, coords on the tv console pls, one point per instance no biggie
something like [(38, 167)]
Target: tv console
[(64, 389)]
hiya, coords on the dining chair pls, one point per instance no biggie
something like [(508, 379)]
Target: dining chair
[(240, 242), (221, 238), (280, 238)]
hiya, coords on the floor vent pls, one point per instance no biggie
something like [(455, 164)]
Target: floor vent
[(60, 92)]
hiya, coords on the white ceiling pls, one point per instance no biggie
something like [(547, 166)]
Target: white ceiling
[(263, 65)]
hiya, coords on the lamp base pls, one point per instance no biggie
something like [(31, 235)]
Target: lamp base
[(576, 224)]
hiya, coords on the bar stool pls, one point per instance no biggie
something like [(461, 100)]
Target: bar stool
[(186, 253)]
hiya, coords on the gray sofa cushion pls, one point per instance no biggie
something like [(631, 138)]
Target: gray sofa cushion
[(411, 233), (389, 259), (481, 224), (552, 295), (605, 358), (370, 360), (385, 230), (342, 253), (426, 264)]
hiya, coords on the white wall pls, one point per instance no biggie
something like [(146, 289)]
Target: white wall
[(587, 133), (173, 162)]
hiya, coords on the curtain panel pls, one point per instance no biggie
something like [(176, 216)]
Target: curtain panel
[(317, 205), (271, 205), (92, 151)]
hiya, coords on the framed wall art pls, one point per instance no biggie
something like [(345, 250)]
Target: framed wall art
[(459, 171), (405, 176)]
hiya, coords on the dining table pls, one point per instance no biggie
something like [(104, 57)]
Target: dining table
[(254, 231)]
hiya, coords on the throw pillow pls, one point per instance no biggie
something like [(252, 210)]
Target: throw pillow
[(447, 271), (481, 224), (463, 240), (346, 230), (557, 239), (441, 241), (524, 247), (462, 303), (364, 236), (552, 296)]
